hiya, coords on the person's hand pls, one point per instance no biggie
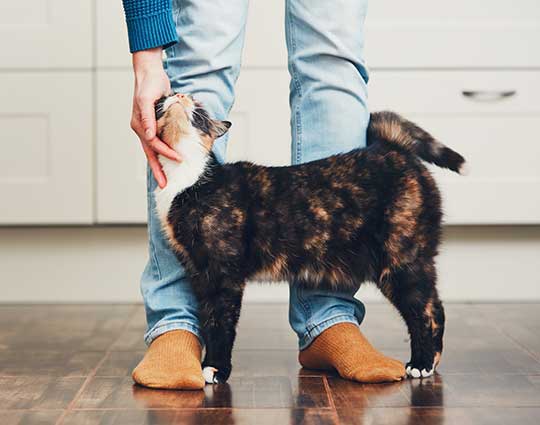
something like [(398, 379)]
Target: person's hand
[(151, 82)]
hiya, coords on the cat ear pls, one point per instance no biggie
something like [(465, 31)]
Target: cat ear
[(219, 128)]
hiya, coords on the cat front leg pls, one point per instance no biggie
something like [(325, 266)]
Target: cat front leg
[(219, 311)]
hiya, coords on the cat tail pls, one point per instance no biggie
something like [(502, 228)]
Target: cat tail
[(390, 128)]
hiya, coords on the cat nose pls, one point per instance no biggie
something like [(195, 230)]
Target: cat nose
[(180, 95)]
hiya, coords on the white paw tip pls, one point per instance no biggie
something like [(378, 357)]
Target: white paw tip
[(408, 370), (415, 373), (464, 169), (426, 373), (208, 374)]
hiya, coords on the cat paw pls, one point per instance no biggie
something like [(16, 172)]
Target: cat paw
[(213, 375), (414, 371), (209, 375)]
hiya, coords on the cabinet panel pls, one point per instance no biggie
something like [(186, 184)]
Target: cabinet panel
[(111, 35), (265, 35), (260, 117), (46, 34), (497, 133), (46, 161), (457, 34), (121, 165)]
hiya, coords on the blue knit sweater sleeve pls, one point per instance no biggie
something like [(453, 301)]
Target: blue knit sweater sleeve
[(150, 24)]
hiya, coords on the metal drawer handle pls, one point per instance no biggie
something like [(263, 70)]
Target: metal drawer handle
[(488, 96)]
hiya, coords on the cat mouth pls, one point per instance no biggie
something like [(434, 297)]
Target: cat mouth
[(165, 102)]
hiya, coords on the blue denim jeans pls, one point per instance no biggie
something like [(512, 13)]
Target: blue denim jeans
[(329, 115)]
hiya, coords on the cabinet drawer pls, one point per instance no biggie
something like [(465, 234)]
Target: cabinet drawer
[(496, 134), (46, 160), (457, 34), (46, 34)]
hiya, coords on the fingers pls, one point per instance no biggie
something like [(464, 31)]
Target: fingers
[(164, 149), (155, 166), (148, 119)]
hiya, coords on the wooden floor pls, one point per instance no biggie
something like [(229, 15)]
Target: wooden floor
[(72, 364)]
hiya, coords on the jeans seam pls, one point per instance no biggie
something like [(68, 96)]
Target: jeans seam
[(308, 337), (297, 139), (305, 305), (329, 319), (151, 222), (154, 333)]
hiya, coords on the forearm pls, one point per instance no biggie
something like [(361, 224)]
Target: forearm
[(150, 24)]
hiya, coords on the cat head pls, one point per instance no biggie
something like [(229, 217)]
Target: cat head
[(180, 117)]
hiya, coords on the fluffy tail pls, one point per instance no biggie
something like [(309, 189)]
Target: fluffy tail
[(391, 128)]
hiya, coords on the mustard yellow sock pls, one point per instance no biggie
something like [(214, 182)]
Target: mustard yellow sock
[(173, 361), (345, 349)]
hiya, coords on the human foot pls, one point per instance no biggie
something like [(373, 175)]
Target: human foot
[(345, 349), (173, 361)]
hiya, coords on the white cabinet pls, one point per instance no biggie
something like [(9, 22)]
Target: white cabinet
[(423, 55), (120, 162), (46, 157), (44, 34), (491, 118)]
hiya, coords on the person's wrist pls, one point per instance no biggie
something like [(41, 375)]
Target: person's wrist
[(146, 61)]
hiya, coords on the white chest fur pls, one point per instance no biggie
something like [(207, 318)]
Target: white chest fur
[(181, 175)]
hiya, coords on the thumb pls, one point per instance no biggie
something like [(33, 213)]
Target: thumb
[(148, 120)]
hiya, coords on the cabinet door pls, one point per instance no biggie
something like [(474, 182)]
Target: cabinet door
[(46, 34), (456, 34), (121, 165), (492, 119), (46, 159)]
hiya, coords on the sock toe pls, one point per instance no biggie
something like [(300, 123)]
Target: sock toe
[(343, 347), (171, 362)]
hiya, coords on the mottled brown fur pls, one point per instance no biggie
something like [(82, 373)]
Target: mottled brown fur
[(367, 215)]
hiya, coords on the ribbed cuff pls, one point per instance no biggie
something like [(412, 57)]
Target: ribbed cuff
[(152, 31)]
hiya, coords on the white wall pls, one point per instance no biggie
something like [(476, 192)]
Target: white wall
[(103, 264)]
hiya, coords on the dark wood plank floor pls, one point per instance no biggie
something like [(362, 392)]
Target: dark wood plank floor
[(71, 365)]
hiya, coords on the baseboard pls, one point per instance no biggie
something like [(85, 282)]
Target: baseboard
[(103, 264)]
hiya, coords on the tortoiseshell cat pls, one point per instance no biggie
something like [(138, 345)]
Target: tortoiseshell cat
[(371, 214)]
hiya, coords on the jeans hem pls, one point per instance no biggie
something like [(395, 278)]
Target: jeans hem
[(314, 331), (172, 326)]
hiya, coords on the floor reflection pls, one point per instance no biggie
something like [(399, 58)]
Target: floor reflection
[(335, 400), (391, 403), (163, 405), (426, 392)]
